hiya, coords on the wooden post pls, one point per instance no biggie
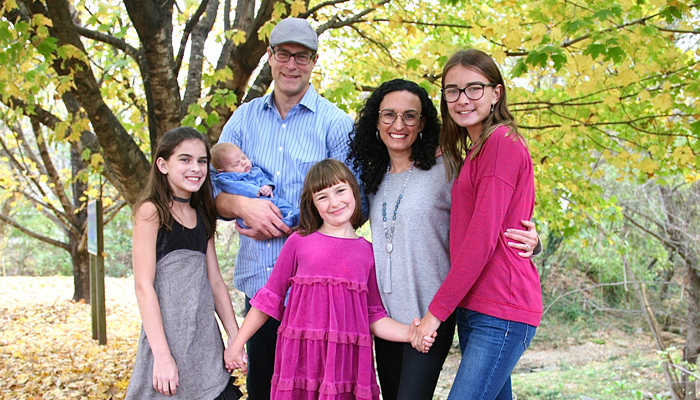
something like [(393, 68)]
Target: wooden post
[(97, 271), (93, 296)]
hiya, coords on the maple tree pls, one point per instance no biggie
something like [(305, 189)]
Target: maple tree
[(39, 175), (592, 83)]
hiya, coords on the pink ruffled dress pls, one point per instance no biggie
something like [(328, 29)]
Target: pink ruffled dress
[(324, 346)]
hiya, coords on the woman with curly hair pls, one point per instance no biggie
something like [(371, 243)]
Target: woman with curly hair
[(394, 149)]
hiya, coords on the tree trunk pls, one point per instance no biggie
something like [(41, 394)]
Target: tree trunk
[(78, 244), (242, 61), (680, 209), (81, 271), (130, 164), (692, 328)]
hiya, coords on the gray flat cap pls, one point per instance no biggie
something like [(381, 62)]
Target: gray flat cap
[(294, 30)]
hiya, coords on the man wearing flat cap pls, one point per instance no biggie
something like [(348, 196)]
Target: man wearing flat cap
[(284, 133)]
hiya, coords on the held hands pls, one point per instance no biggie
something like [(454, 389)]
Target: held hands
[(424, 332), (425, 342), (165, 375), (235, 357), (525, 240), (263, 218), (265, 191)]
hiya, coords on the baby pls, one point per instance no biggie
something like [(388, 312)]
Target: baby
[(236, 175)]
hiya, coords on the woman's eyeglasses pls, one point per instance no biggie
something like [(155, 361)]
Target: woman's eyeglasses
[(409, 117)]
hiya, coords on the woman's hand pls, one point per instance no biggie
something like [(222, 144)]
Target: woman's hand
[(525, 240)]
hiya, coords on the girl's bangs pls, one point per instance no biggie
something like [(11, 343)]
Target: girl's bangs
[(327, 177)]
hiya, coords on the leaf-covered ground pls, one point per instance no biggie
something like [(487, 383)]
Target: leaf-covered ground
[(47, 351), (46, 346)]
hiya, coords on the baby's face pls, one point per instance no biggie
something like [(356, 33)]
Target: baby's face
[(237, 161)]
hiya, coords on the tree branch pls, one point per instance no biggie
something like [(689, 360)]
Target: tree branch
[(113, 210), (110, 40), (669, 243), (335, 22), (371, 40), (10, 221), (52, 174), (587, 288), (25, 171), (317, 7), (200, 32), (420, 23), (677, 30), (188, 29)]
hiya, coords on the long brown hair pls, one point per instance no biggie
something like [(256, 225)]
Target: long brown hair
[(321, 175), (454, 139), (158, 189)]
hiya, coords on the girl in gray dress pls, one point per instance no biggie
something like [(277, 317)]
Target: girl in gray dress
[(178, 284)]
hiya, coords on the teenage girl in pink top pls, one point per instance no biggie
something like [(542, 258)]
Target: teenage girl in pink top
[(496, 293)]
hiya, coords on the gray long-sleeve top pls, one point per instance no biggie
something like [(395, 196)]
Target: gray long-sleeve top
[(420, 259)]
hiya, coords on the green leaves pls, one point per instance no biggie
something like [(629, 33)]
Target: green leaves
[(609, 49), (545, 57), (671, 13), (413, 63), (608, 13)]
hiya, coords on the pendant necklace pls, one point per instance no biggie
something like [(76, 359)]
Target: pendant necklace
[(389, 232)]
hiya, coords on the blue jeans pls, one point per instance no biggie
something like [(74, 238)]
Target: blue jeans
[(490, 349)]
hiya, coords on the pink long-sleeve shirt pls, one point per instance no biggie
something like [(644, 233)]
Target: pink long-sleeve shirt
[(493, 192)]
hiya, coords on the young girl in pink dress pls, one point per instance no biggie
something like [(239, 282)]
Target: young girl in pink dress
[(324, 344)]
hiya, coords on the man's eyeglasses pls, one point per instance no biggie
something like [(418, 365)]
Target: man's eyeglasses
[(473, 91), (409, 118), (300, 58)]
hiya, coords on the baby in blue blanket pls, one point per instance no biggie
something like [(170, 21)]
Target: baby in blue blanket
[(237, 175)]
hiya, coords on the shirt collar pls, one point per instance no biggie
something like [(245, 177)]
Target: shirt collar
[(309, 100)]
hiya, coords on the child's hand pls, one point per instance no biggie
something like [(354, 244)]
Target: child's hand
[(427, 341), (265, 191), (165, 375), (236, 358)]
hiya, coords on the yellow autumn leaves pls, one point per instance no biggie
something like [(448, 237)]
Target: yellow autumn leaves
[(46, 346)]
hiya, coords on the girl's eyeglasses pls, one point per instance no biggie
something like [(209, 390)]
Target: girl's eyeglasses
[(473, 91)]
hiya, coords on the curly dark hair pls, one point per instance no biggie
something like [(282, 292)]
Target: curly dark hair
[(369, 155)]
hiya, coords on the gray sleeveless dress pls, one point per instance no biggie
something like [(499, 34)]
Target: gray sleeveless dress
[(187, 308)]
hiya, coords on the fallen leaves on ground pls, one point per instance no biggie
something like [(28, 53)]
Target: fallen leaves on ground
[(46, 345)]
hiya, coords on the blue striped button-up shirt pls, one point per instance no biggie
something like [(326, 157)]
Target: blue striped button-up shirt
[(284, 149)]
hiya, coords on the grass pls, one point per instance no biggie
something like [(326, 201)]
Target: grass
[(594, 356), (636, 376)]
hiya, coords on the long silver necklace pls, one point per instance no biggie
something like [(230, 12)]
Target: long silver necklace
[(389, 232)]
